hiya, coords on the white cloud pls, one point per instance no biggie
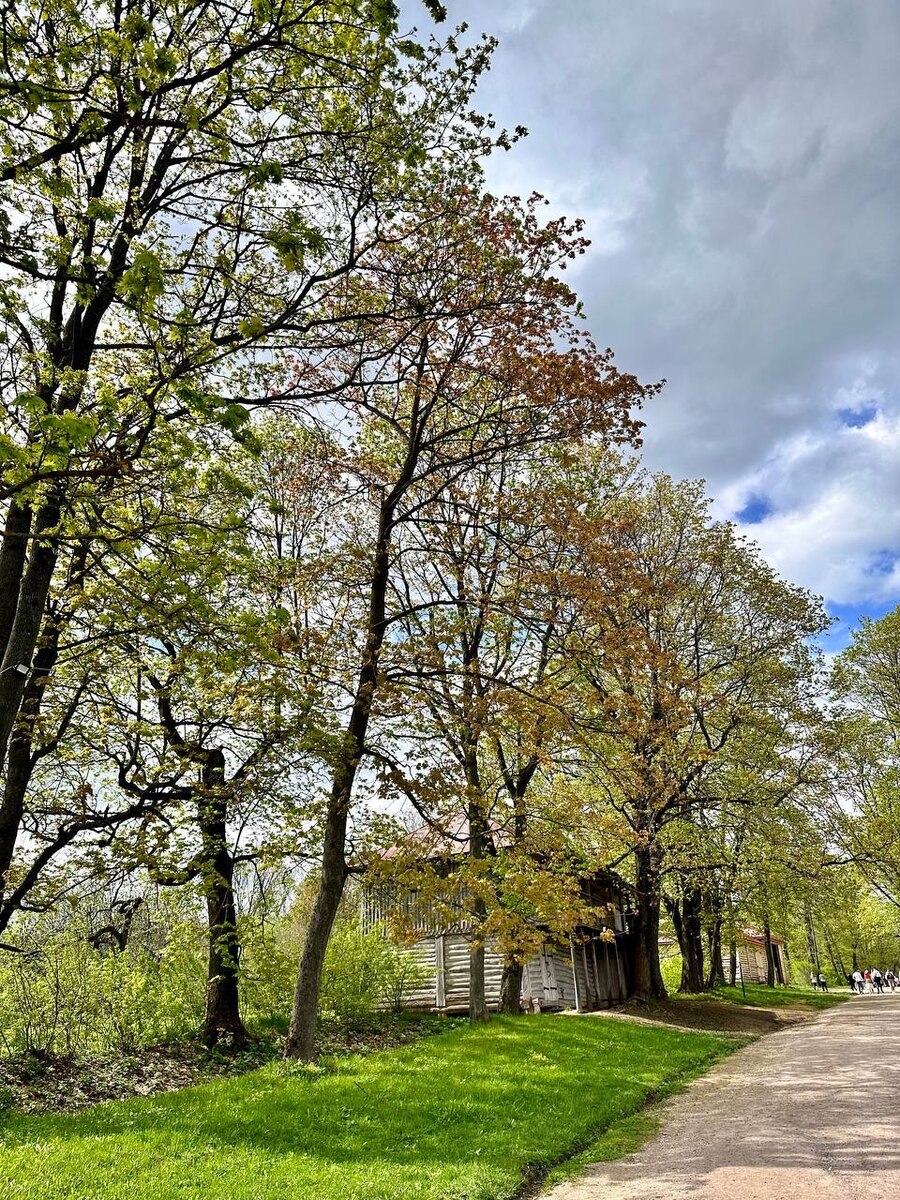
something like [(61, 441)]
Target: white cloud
[(739, 166)]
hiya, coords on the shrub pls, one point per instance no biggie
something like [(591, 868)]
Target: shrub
[(61, 995), (364, 971)]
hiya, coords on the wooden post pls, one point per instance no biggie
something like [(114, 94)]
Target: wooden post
[(440, 987), (591, 991), (600, 998), (623, 990), (578, 1007)]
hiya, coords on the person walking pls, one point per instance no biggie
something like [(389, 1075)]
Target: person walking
[(814, 980), (867, 980), (858, 980), (823, 982), (890, 979), (877, 982)]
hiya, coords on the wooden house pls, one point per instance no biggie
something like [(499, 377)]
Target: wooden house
[(588, 971), (751, 956), (752, 966)]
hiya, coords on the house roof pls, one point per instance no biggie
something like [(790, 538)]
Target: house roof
[(758, 939), (443, 839)]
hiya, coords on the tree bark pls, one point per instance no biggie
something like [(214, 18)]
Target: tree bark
[(478, 1009), (692, 977), (222, 1021), (812, 947), (715, 974), (646, 973), (732, 963), (26, 622), (301, 1042), (20, 760), (511, 985), (770, 957), (478, 848), (13, 553)]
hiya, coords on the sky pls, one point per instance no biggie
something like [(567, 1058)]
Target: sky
[(738, 166)]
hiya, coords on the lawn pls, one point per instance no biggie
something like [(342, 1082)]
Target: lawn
[(757, 995), (461, 1116)]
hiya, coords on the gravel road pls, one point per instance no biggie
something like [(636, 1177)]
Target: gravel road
[(809, 1113)]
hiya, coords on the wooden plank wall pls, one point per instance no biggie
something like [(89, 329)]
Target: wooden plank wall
[(596, 981)]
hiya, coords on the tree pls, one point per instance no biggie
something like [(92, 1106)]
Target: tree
[(185, 190), (474, 699), (495, 360), (691, 645), (865, 803)]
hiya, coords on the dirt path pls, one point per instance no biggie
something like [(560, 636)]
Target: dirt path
[(808, 1113)]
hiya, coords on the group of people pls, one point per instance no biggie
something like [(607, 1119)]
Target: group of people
[(871, 980)]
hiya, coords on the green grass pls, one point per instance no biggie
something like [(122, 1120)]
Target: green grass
[(461, 1116), (628, 1134), (759, 996)]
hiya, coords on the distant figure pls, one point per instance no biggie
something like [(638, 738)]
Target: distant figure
[(867, 978), (814, 980), (851, 983), (877, 982), (890, 979), (858, 980), (823, 982)]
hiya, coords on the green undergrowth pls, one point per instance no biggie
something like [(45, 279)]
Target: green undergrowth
[(467, 1115)]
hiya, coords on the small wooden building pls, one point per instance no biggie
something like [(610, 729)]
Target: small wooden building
[(589, 971), (752, 966), (751, 956)]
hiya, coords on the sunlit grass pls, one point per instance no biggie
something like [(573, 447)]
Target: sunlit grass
[(758, 995), (457, 1116)]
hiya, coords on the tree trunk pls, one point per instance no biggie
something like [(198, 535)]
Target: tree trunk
[(812, 947), (222, 1021), (646, 974), (478, 1010), (478, 846), (692, 978), (732, 963), (715, 973), (333, 876), (834, 955), (13, 552), (26, 623), (783, 967), (20, 763), (301, 1041), (511, 985), (770, 956)]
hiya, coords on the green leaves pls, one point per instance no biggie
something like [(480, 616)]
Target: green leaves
[(293, 240), (144, 281)]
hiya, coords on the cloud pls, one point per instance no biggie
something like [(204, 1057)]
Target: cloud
[(739, 167)]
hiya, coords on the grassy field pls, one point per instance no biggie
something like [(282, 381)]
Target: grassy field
[(464, 1115), (759, 996)]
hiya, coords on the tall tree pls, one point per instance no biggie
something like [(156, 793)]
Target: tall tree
[(496, 360), (185, 190)]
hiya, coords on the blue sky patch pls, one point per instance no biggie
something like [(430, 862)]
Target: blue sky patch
[(848, 617), (856, 418), (755, 510)]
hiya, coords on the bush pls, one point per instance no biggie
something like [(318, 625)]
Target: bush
[(670, 966), (61, 995), (364, 972)]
